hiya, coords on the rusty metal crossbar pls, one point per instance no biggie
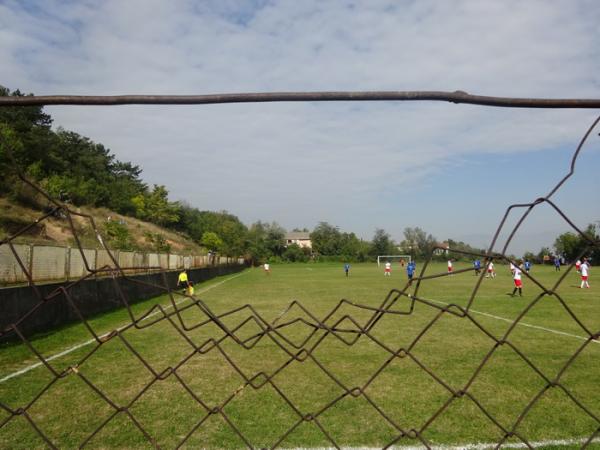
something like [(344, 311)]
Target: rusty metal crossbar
[(346, 329)]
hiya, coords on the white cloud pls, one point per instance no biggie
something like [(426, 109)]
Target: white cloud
[(300, 163)]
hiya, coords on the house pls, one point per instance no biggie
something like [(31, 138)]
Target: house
[(301, 238), (445, 248)]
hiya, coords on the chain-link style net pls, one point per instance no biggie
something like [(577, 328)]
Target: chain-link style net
[(343, 328)]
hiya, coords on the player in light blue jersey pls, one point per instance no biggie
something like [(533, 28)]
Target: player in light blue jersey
[(410, 271)]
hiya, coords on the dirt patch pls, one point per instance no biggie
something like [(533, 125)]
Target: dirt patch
[(56, 230)]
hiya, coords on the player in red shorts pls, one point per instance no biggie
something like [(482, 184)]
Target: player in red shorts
[(449, 266), (388, 269), (584, 269), (490, 270), (517, 280)]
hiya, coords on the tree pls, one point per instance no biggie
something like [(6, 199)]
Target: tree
[(256, 250), (325, 239), (530, 256), (544, 252), (63, 162), (264, 241), (418, 243), (354, 249), (274, 239), (382, 244), (155, 206), (212, 241), (118, 235), (572, 246)]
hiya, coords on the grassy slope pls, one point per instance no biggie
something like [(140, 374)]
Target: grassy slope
[(452, 348), (56, 231)]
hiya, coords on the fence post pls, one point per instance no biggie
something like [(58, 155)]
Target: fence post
[(30, 262), (95, 262), (67, 262)]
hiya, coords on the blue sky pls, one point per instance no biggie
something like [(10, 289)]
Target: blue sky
[(449, 169)]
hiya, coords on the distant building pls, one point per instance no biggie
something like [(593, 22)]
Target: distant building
[(301, 238), (442, 251)]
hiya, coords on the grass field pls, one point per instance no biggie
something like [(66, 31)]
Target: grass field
[(452, 349)]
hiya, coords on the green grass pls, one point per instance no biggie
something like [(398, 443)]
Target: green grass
[(452, 349)]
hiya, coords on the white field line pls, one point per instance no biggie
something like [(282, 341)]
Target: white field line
[(83, 344), (521, 323), (91, 341), (478, 446)]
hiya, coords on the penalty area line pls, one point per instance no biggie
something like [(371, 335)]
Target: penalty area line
[(91, 341), (521, 323)]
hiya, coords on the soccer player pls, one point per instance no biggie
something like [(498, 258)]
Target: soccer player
[(477, 266), (557, 264), (190, 289), (388, 269), (584, 270), (267, 268), (490, 270), (517, 281), (402, 262), (182, 280), (410, 271), (449, 266), (347, 268), (527, 265), (577, 265)]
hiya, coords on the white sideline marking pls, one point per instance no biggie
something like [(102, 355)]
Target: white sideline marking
[(478, 446), (525, 324), (83, 344)]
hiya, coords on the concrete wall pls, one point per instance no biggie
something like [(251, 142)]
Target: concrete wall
[(91, 297), (48, 263)]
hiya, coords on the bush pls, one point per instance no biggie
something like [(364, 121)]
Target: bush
[(118, 236), (158, 241), (294, 253)]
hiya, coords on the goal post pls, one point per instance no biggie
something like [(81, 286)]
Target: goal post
[(384, 258)]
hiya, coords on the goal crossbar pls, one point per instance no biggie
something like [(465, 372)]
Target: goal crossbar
[(391, 257)]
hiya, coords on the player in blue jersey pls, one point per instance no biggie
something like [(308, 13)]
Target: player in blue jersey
[(410, 271), (477, 266), (347, 269), (557, 264), (527, 266)]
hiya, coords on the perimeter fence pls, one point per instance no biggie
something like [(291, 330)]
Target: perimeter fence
[(345, 328), (51, 263)]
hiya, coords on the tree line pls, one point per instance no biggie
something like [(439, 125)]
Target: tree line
[(77, 170)]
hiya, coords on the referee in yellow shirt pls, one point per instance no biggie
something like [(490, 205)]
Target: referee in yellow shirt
[(183, 280)]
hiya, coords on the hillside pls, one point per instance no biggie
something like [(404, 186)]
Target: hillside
[(119, 231)]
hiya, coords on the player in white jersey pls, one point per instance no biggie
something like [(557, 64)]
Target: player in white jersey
[(388, 269), (449, 266), (584, 269), (490, 270), (517, 281)]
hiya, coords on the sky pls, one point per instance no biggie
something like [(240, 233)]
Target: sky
[(449, 169)]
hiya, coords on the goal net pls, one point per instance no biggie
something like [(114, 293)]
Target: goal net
[(382, 259)]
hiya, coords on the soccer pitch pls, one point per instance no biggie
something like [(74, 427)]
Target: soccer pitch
[(368, 396)]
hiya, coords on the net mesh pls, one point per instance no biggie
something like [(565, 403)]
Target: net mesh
[(230, 329)]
